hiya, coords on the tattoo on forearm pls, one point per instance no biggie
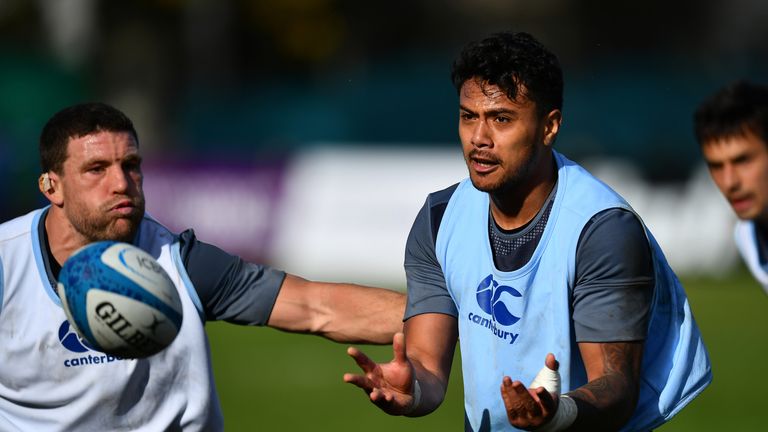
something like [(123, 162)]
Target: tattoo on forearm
[(617, 388)]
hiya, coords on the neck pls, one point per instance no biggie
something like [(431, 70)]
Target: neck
[(515, 207), (63, 239)]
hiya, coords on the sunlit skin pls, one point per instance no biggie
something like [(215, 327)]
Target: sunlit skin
[(739, 167), (507, 148), (97, 195)]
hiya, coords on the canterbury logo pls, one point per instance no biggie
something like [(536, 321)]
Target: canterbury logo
[(491, 299), (74, 343), (497, 301)]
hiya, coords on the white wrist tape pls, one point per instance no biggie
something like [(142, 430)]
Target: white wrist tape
[(564, 416), (416, 397), (547, 378)]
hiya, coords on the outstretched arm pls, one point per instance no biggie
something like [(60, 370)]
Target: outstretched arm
[(425, 364), (340, 312)]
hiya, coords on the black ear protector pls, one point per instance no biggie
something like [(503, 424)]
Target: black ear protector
[(44, 183)]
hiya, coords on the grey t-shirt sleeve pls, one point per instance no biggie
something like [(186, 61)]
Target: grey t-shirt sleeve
[(427, 290), (614, 279), (230, 288)]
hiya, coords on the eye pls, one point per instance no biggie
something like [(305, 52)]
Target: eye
[(132, 165), (466, 116), (503, 119), (96, 169), (743, 160)]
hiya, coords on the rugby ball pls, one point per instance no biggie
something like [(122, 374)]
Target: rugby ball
[(119, 299)]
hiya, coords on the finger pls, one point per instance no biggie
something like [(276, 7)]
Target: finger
[(545, 399), (520, 390), (387, 401), (509, 404), (515, 394), (362, 360), (552, 362), (359, 381), (380, 398), (398, 348), (376, 395), (548, 377), (527, 400), (518, 403), (506, 392)]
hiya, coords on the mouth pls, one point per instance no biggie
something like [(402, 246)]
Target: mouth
[(741, 203), (482, 164), (124, 207)]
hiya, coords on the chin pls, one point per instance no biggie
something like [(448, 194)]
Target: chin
[(483, 184), (494, 186), (123, 232), (483, 187)]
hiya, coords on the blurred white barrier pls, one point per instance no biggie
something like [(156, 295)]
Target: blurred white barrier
[(346, 212)]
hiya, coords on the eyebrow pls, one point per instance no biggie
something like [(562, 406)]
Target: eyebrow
[(491, 112), (133, 157)]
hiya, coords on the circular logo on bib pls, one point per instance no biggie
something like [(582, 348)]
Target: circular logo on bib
[(71, 340), (498, 301)]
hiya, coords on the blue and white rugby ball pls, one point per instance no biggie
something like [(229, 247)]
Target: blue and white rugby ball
[(120, 299)]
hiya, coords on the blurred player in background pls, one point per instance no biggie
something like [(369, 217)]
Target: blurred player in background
[(49, 379), (531, 255), (732, 130)]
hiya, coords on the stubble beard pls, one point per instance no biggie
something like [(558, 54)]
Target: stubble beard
[(510, 181), (98, 225)]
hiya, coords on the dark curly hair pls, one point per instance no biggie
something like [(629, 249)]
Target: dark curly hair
[(734, 110), (74, 122), (515, 62)]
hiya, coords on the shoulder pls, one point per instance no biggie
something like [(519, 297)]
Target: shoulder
[(581, 192), (152, 231), (19, 226), (431, 214), (441, 197), (611, 227), (613, 242)]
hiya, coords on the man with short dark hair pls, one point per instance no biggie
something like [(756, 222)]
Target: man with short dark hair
[(731, 127), (532, 260), (92, 177)]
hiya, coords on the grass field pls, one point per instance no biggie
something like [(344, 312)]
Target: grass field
[(268, 380)]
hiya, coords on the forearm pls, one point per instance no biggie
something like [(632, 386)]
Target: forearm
[(609, 398), (431, 391), (357, 314), (340, 312), (431, 346), (606, 403)]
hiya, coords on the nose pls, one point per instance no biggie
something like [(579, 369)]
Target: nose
[(730, 178), (481, 136), (119, 179)]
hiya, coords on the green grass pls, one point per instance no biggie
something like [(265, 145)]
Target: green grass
[(733, 317), (268, 380)]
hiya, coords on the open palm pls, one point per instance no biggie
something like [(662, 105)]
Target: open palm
[(389, 385)]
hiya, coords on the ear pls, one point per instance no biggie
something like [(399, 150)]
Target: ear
[(50, 185), (552, 126)]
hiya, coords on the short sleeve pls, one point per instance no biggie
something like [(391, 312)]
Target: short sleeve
[(230, 288), (614, 279), (427, 290)]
